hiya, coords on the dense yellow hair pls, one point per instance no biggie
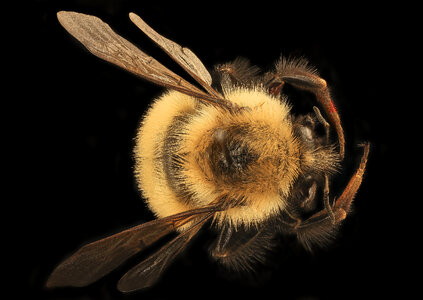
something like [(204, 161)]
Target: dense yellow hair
[(270, 134)]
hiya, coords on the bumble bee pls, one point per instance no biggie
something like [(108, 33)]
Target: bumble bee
[(231, 152)]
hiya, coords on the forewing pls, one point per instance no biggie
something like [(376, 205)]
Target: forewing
[(148, 271), (93, 261), (182, 55), (103, 42)]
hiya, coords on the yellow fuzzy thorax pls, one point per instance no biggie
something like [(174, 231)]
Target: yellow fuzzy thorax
[(264, 128)]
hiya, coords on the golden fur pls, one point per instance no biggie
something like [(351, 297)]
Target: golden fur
[(262, 190)]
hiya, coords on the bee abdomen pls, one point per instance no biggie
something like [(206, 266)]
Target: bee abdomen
[(173, 160)]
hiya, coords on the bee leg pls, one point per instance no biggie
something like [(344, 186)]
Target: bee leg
[(222, 242), (322, 94), (345, 200), (308, 201), (238, 72), (296, 221), (320, 227), (322, 121), (326, 201), (304, 79), (242, 248)]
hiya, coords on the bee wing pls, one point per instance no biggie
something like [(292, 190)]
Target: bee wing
[(148, 271), (93, 261), (104, 43), (182, 55)]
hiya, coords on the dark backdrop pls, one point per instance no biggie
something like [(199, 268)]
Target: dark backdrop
[(80, 116)]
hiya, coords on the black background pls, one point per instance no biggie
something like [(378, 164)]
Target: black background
[(80, 114)]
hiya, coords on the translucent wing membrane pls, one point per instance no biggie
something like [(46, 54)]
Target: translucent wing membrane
[(93, 261), (103, 42), (148, 271), (97, 259), (183, 56)]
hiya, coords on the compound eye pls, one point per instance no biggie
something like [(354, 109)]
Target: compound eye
[(306, 133)]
